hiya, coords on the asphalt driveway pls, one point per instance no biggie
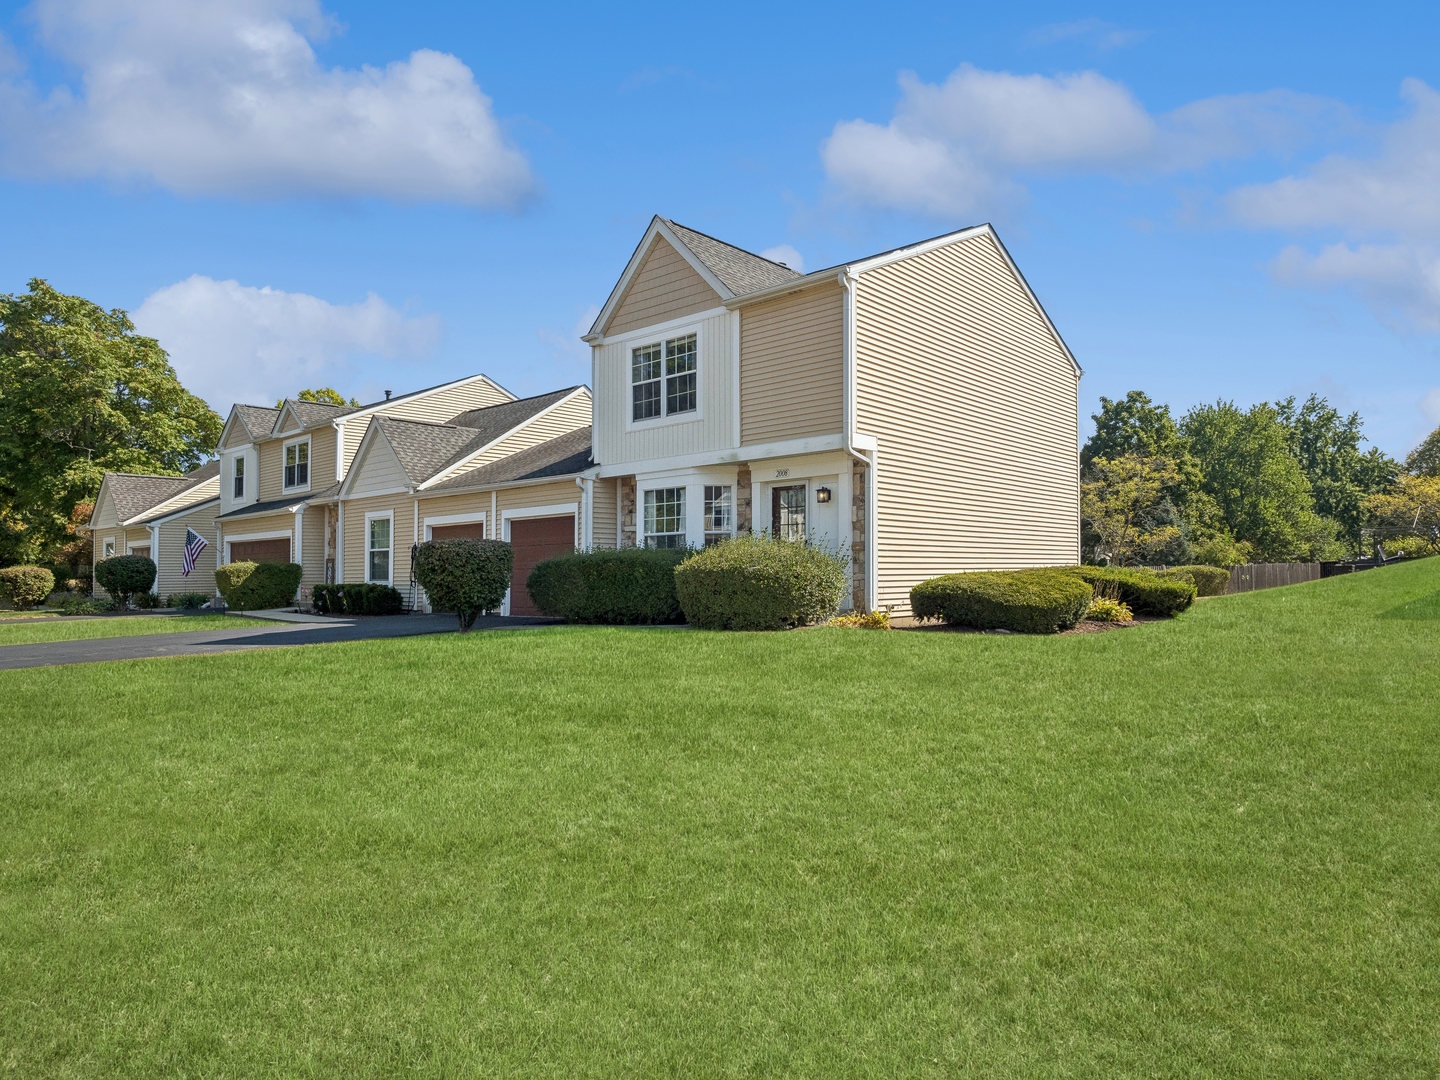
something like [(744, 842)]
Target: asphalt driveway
[(264, 635)]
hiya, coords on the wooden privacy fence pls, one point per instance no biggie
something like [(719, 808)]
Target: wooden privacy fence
[(1254, 576)]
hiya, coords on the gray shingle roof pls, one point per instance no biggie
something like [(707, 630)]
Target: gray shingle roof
[(563, 455), (258, 420), (423, 448), (273, 506), (311, 413), (134, 494), (738, 269), (495, 420), (204, 472)]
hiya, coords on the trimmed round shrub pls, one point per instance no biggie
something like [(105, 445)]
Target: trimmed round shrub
[(248, 586), (1041, 601), (26, 586), (627, 587), (1208, 580), (123, 576), (759, 583), (1143, 591), (465, 576)]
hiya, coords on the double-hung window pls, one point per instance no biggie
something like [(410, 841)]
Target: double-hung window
[(107, 549), (297, 464), (239, 484), (719, 513), (663, 378), (665, 517), (377, 563)]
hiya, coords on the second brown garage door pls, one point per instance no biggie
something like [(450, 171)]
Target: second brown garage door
[(534, 541), (261, 550), (469, 530)]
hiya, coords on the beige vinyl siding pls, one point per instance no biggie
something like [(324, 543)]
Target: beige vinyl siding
[(975, 408), (569, 415), (104, 516), (520, 498), (236, 528), (437, 408), (199, 493), (169, 564), (312, 550), (470, 502), (379, 469), (714, 427), (271, 455), (605, 512), (401, 537), (664, 287), (792, 366)]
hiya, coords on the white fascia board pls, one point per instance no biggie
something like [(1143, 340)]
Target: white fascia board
[(237, 419), (888, 257), (375, 493), (190, 509), (830, 275), (450, 470), (657, 227), (176, 503), (504, 485), (815, 444), (358, 460)]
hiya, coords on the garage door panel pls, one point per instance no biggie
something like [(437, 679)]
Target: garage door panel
[(267, 551), (534, 540), (467, 530)]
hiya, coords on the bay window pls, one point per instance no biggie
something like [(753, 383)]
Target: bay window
[(719, 513), (665, 517)]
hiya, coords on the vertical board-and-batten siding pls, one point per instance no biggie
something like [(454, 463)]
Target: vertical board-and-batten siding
[(975, 406), (664, 287), (713, 429), (569, 415), (792, 366)]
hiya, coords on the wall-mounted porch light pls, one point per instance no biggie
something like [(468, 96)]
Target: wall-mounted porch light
[(822, 495)]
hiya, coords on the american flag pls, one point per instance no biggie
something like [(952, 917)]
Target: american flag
[(194, 544)]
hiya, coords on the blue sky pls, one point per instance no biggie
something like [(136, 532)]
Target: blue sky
[(1237, 201)]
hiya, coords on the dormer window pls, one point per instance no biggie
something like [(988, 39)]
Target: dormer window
[(663, 378), (297, 464), (238, 491)]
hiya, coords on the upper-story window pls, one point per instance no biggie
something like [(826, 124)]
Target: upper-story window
[(297, 464), (663, 378), (238, 489)]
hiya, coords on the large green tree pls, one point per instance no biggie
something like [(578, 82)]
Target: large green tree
[(1134, 425), (81, 393), (1327, 446), (1256, 480), (1424, 460), (325, 395)]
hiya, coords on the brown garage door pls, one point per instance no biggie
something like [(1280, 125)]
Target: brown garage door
[(261, 550), (470, 530), (534, 541)]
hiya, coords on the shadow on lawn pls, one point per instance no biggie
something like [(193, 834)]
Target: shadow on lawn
[(1420, 609)]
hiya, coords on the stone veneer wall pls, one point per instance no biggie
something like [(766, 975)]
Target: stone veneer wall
[(627, 511), (743, 515), (857, 539)]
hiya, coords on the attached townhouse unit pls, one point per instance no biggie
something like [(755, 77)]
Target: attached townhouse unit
[(915, 410), (136, 514)]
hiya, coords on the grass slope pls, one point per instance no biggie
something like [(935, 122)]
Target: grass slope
[(1206, 847), (65, 629)]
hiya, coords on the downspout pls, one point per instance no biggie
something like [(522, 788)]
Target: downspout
[(154, 531), (850, 282), (586, 523)]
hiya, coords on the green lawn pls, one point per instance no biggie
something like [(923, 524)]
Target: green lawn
[(61, 628), (1209, 847)]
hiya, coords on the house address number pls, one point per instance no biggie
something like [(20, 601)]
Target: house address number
[(781, 472)]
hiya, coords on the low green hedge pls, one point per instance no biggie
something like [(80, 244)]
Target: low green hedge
[(1208, 580), (1041, 601), (248, 586), (358, 599), (759, 583), (123, 576), (627, 587), (464, 576), (26, 586), (187, 601), (1143, 591)]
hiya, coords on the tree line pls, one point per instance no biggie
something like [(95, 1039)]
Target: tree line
[(1276, 482)]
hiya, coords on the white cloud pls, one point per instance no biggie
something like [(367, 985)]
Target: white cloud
[(231, 342), (785, 253), (1386, 204), (228, 97), (959, 148), (1103, 35)]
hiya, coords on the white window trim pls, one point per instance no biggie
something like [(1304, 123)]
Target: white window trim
[(457, 519), (652, 337), (107, 545), (131, 545), (309, 462), (552, 510), (685, 523), (243, 477), (376, 515), (694, 481)]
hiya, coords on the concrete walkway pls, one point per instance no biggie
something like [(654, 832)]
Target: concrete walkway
[(265, 635)]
